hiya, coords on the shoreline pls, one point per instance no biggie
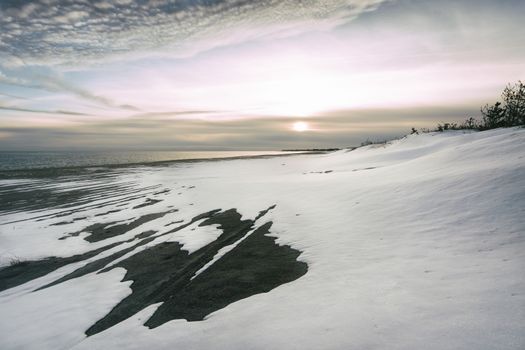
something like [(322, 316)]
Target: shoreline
[(46, 172)]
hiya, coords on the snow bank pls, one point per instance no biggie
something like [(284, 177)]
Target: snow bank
[(416, 244)]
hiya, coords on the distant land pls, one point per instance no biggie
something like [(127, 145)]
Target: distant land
[(314, 149)]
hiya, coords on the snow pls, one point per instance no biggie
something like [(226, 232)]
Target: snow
[(416, 244), (194, 237), (59, 315)]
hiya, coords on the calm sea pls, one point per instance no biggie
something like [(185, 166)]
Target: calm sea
[(34, 160)]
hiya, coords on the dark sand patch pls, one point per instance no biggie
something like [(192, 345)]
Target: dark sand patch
[(164, 191), (97, 264), (173, 223), (100, 231), (319, 172), (42, 196), (264, 212), (108, 212), (25, 271), (256, 265), (144, 238), (61, 223), (145, 234), (148, 202), (68, 222), (369, 168), (163, 273), (108, 198)]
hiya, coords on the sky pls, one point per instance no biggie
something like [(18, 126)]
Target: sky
[(240, 74)]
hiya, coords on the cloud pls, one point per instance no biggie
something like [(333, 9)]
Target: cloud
[(406, 57), (11, 96), (29, 110), (65, 31), (52, 82), (337, 129)]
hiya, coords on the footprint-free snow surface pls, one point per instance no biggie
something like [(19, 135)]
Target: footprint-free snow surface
[(415, 244)]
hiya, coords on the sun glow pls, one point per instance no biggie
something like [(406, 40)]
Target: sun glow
[(300, 126), (302, 93)]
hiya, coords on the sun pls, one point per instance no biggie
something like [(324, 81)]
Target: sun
[(300, 126)]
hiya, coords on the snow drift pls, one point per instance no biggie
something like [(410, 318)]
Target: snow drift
[(418, 243)]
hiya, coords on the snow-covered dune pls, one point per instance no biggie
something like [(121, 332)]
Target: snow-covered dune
[(416, 244)]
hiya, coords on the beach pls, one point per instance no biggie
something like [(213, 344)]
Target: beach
[(415, 243)]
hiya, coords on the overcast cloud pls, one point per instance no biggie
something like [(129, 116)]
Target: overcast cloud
[(73, 31), (236, 74)]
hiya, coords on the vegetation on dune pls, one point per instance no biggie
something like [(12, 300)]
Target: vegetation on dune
[(510, 112), (374, 142)]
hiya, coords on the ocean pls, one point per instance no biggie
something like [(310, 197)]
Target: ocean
[(22, 160)]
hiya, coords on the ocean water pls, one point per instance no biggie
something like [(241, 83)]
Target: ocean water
[(59, 159)]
